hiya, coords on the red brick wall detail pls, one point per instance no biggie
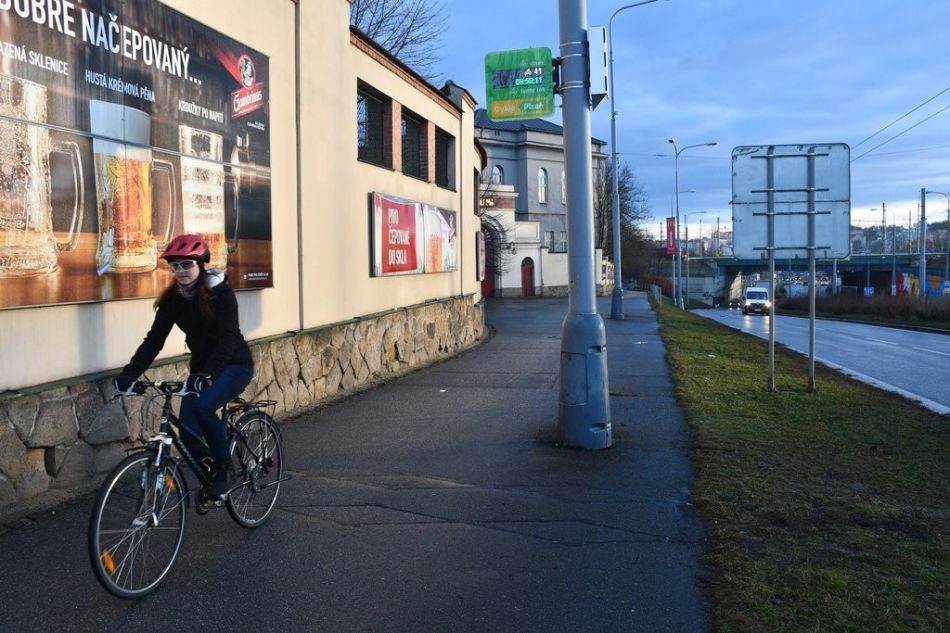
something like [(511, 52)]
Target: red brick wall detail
[(392, 135)]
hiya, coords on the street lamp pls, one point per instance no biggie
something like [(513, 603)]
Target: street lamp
[(946, 233), (616, 303), (678, 272), (700, 214)]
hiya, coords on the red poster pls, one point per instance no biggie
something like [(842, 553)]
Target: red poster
[(397, 236), (670, 236)]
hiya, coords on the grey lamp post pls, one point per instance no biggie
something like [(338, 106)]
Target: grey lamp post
[(616, 303), (678, 264), (946, 264)]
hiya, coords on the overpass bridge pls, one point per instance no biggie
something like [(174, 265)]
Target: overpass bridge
[(860, 271)]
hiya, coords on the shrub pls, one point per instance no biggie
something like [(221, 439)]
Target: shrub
[(901, 307), (665, 284)]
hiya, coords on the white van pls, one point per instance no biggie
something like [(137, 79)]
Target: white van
[(756, 300)]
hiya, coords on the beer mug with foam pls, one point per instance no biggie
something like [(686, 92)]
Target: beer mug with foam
[(124, 173), (27, 243), (202, 190)]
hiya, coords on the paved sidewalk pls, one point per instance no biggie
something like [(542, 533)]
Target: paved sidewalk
[(437, 502)]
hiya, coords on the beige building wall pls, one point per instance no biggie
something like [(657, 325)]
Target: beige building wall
[(330, 281), (336, 186)]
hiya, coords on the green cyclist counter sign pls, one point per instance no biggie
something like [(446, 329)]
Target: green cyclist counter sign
[(519, 84)]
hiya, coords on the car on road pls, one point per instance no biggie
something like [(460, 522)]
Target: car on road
[(756, 300), (735, 302)]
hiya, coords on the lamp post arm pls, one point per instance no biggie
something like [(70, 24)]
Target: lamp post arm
[(683, 149)]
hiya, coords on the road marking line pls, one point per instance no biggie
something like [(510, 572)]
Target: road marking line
[(934, 406), (880, 341), (932, 351)]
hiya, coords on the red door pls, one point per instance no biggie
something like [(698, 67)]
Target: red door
[(527, 277), (488, 283)]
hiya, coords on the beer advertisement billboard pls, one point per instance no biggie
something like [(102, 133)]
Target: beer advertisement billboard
[(411, 238), (123, 124), (397, 247)]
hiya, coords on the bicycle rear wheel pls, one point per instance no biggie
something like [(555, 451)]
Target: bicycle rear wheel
[(257, 456), (137, 525)]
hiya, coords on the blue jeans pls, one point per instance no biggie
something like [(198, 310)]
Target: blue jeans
[(199, 418)]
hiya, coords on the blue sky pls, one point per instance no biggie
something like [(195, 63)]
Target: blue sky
[(751, 72)]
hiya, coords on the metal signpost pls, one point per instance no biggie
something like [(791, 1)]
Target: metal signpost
[(584, 403), (795, 199), (519, 84)]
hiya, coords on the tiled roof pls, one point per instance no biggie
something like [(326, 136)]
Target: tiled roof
[(533, 125)]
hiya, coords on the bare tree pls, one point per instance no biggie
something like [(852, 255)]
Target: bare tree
[(409, 29), (634, 204)]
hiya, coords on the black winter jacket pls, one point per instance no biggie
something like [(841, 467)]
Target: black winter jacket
[(213, 344)]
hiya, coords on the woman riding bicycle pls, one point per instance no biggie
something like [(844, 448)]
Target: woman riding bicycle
[(202, 305)]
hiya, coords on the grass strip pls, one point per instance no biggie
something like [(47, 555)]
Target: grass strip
[(823, 512)]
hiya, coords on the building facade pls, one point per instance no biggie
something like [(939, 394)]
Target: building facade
[(524, 207), (341, 148)]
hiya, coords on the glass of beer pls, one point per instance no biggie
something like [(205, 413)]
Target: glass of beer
[(124, 173), (202, 190), (27, 243)]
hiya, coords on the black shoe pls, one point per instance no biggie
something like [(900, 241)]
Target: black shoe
[(220, 481)]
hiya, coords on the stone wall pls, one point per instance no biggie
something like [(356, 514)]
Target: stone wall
[(554, 291), (61, 440)]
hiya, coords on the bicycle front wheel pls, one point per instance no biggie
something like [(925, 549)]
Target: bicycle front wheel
[(257, 456), (137, 525)]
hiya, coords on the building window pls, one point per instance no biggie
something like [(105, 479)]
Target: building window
[(542, 186), (413, 143), (444, 159), (549, 239), (563, 188), (497, 175), (369, 127)]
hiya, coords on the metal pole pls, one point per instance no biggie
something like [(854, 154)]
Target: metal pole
[(834, 277), (584, 404), (894, 257), (946, 261), (922, 272), (770, 214), (616, 303), (811, 272), (677, 263), (676, 183), (686, 291), (702, 246)]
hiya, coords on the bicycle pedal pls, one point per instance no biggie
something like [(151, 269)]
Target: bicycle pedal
[(206, 504)]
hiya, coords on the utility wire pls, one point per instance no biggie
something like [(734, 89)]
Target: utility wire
[(913, 151), (906, 114), (901, 133)]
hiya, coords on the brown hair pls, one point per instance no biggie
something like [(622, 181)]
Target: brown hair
[(202, 294)]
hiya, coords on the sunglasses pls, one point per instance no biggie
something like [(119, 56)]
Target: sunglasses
[(182, 265)]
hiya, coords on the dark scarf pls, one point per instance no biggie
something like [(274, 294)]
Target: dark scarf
[(188, 292)]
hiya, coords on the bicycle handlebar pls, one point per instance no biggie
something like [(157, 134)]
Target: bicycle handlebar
[(167, 387)]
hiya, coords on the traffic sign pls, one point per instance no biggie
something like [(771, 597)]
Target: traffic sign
[(519, 84), (783, 184)]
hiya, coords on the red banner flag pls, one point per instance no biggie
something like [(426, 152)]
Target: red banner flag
[(670, 236)]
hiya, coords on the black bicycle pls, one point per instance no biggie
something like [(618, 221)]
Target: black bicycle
[(138, 520)]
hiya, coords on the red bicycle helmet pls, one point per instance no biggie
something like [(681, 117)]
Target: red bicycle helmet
[(189, 246)]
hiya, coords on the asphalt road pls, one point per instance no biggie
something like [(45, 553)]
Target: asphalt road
[(438, 502), (913, 363)]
